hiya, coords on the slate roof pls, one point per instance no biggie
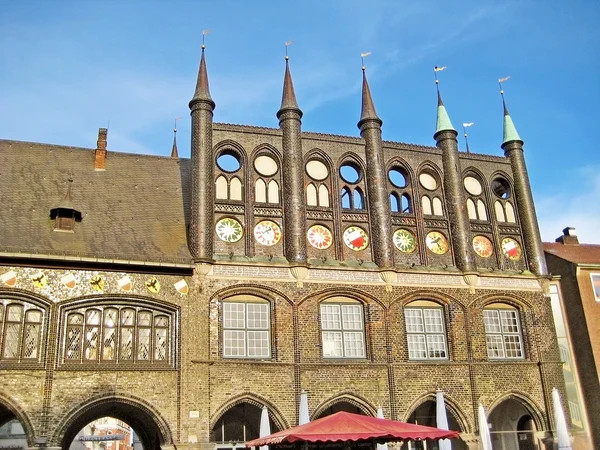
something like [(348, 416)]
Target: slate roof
[(133, 211), (578, 254)]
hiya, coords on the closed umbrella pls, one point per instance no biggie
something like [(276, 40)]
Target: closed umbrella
[(265, 427), (380, 416), (484, 431), (560, 422), (441, 419), (303, 416)]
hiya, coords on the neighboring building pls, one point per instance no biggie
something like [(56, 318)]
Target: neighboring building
[(12, 436), (183, 295), (576, 302), (106, 433)]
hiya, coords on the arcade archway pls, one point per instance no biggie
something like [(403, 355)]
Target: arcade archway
[(512, 426)]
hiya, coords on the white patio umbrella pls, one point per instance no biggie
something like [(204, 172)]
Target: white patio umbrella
[(484, 431), (380, 415), (560, 422), (265, 426), (303, 416), (441, 419)]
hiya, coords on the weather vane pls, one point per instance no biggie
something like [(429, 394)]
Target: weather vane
[(204, 33), (175, 127), (362, 59), (465, 126), (500, 81), (287, 44), (437, 69)]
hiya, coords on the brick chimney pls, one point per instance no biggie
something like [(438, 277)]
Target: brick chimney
[(100, 155), (569, 237)]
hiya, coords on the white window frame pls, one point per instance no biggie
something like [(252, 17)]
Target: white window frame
[(246, 331), (425, 335), (341, 338), (596, 292), (497, 336)]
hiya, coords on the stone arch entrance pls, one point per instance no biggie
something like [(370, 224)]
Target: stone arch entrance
[(150, 427), (513, 425), (9, 412)]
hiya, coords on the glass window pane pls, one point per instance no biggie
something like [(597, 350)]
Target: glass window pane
[(434, 323), (354, 345), (436, 345), (352, 317), (73, 343), (33, 316), (330, 317), (491, 321), (108, 344), (258, 315), (127, 317), (510, 321), (126, 344), (512, 344), (91, 343), (92, 317), (143, 344), (416, 346), (234, 315), (258, 344), (495, 348), (12, 337), (110, 318), (234, 343), (75, 319), (160, 344), (31, 341), (144, 318), (15, 313), (332, 344), (414, 320)]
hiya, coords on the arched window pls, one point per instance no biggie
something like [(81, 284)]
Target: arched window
[(323, 196), (426, 205), (346, 204), (358, 200), (437, 207), (481, 212), (260, 191), (499, 212), (20, 331), (471, 210), (221, 188), (342, 328), (510, 212), (115, 333), (476, 205), (273, 191), (425, 330), (400, 185), (235, 189), (394, 202), (503, 332), (311, 195), (246, 327)]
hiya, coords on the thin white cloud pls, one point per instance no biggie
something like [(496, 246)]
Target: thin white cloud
[(577, 206)]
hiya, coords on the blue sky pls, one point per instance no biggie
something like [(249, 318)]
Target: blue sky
[(69, 67)]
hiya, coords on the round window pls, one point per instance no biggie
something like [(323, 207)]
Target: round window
[(397, 177), (228, 161), (500, 188), (317, 170), (428, 181), (472, 185), (265, 165), (350, 173)]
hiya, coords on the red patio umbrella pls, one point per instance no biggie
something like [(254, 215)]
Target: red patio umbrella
[(344, 426)]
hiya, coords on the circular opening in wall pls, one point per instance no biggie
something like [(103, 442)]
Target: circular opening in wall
[(317, 170), (472, 185), (265, 165), (500, 188), (228, 161), (428, 181), (397, 177), (350, 173)]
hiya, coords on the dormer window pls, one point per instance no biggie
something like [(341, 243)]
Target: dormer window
[(65, 215)]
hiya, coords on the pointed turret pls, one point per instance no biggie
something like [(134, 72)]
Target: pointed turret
[(445, 139), (513, 150), (202, 91), (368, 108), (378, 203), (174, 152), (200, 230), (510, 132), (443, 120), (288, 98), (294, 205)]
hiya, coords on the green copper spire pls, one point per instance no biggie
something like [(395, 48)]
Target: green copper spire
[(443, 120), (510, 132)]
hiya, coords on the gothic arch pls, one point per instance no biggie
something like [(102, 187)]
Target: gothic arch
[(349, 292), (426, 294), (317, 153), (452, 405), (509, 299), (253, 399), (28, 296), (236, 147), (10, 410), (265, 292), (148, 423), (267, 150), (534, 410), (349, 397), (352, 158), (502, 174), (401, 162), (431, 166)]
